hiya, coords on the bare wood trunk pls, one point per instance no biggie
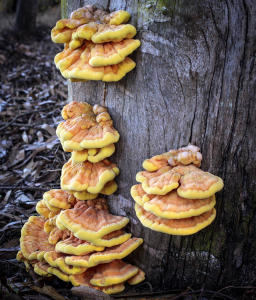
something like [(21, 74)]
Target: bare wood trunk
[(194, 83)]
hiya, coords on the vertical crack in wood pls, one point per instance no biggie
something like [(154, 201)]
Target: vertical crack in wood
[(104, 93), (179, 254), (166, 266), (239, 86), (211, 83), (209, 255), (192, 123)]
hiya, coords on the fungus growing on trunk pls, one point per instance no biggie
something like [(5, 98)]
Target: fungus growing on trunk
[(59, 199), (101, 221), (97, 45), (107, 255), (87, 176), (114, 272), (176, 197), (75, 246), (171, 205), (192, 183), (75, 234), (185, 226), (137, 278), (41, 268), (57, 234), (86, 129), (42, 209), (183, 156), (34, 239), (85, 278), (92, 155)]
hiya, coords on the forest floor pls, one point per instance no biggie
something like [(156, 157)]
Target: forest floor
[(32, 96)]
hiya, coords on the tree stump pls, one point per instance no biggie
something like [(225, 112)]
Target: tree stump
[(194, 83)]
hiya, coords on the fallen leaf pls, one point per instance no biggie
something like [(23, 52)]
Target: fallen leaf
[(2, 59), (25, 137), (29, 168), (6, 198), (50, 129), (40, 136), (50, 291), (12, 243), (47, 177), (21, 198)]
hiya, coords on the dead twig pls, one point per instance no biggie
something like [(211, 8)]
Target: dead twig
[(205, 291), (234, 287), (33, 188)]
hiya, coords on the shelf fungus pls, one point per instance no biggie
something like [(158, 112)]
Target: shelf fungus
[(89, 12), (87, 176), (97, 44), (171, 205), (59, 273), (70, 270), (100, 30), (137, 278), (76, 65), (42, 209), (34, 240), (109, 277), (107, 255), (108, 189), (76, 238), (56, 234), (75, 246), (175, 196), (52, 256), (114, 272), (93, 155), (41, 268), (97, 55), (85, 278), (59, 199), (86, 129), (183, 156), (185, 226), (192, 182), (101, 221)]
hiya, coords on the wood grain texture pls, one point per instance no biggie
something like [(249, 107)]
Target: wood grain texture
[(194, 82)]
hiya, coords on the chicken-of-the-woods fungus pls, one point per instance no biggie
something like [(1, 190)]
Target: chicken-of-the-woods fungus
[(76, 238), (171, 205), (87, 176), (175, 196), (92, 155), (101, 221), (97, 44), (87, 128)]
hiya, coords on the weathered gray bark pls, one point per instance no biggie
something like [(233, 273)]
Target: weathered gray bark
[(194, 82), (26, 15)]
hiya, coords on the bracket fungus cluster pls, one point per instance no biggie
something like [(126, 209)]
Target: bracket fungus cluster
[(75, 237), (175, 196), (97, 45)]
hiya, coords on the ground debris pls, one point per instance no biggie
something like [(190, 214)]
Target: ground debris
[(32, 94)]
